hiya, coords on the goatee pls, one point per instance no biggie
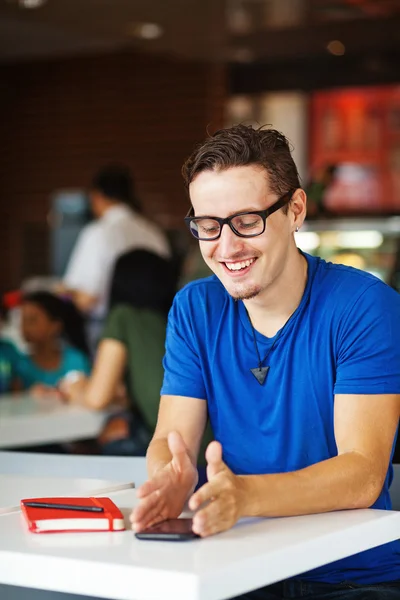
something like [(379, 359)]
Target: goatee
[(245, 295)]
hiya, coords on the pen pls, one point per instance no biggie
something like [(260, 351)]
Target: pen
[(64, 506)]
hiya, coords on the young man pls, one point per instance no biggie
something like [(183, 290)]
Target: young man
[(296, 361)]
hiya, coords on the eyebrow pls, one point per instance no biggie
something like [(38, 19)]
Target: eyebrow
[(231, 214)]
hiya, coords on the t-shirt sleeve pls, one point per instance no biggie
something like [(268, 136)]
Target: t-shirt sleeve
[(115, 327), (368, 355), (182, 365), (85, 271)]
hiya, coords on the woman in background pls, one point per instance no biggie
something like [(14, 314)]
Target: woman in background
[(54, 331), (129, 356)]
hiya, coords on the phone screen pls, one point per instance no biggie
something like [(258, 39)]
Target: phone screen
[(172, 529)]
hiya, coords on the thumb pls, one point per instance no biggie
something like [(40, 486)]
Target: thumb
[(215, 464), (178, 449)]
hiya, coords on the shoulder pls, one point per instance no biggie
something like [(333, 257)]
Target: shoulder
[(201, 294), (352, 297), (121, 320), (122, 313), (8, 350), (90, 233), (199, 306), (343, 282)]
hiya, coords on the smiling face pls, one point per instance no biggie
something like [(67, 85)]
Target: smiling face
[(245, 266)]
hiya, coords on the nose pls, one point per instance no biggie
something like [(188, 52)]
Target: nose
[(229, 244)]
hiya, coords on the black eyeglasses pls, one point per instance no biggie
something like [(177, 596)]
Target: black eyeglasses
[(244, 224)]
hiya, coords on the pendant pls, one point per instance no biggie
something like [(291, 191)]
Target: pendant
[(260, 373)]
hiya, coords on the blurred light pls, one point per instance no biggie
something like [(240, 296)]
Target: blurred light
[(238, 19), (307, 240), (31, 3), (242, 55), (145, 31), (359, 239), (336, 47)]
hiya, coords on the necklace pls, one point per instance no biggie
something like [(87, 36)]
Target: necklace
[(260, 372)]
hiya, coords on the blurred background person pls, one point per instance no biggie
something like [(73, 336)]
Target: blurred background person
[(317, 189), (128, 362), (9, 357), (54, 331), (119, 226)]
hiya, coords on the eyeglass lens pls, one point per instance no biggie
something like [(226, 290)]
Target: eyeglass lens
[(208, 229)]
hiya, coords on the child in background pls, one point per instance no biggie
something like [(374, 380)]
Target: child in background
[(9, 356), (54, 331)]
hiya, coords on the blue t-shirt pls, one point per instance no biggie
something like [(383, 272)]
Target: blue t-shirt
[(9, 357), (72, 360), (344, 338)]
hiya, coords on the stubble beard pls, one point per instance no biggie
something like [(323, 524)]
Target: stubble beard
[(245, 294)]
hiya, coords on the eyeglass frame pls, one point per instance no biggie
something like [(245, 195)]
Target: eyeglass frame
[(264, 214)]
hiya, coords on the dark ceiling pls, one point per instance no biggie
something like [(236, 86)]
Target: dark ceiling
[(284, 43), (220, 30)]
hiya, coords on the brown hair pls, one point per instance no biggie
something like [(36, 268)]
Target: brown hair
[(243, 145)]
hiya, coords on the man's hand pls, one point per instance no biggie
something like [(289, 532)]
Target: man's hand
[(224, 493), (164, 496)]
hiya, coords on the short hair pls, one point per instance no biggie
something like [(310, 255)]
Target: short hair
[(115, 182), (242, 145), (143, 280)]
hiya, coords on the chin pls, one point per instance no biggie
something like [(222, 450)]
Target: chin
[(243, 292)]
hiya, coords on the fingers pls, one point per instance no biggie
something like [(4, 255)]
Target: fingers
[(212, 519), (206, 492), (147, 488), (151, 518), (147, 511), (215, 463)]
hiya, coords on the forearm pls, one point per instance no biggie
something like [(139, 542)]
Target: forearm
[(344, 482), (158, 455)]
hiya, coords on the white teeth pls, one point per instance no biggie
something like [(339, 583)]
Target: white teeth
[(240, 265)]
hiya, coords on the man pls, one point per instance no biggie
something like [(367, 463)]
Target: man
[(117, 229), (296, 361)]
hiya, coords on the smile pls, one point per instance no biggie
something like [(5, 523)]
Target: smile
[(236, 267)]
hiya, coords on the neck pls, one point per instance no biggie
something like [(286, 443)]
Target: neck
[(270, 309), (106, 206), (46, 349)]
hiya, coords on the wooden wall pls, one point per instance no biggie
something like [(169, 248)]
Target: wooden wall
[(62, 119)]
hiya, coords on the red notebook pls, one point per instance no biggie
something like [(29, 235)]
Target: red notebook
[(52, 520)]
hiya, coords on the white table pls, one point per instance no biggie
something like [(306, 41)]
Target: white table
[(15, 487), (73, 466), (26, 421), (256, 552)]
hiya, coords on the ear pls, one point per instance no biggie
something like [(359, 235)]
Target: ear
[(298, 208)]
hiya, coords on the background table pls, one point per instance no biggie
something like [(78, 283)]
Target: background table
[(26, 421), (15, 487), (254, 553), (72, 466)]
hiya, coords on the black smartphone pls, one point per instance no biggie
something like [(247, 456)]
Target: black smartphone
[(174, 530)]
